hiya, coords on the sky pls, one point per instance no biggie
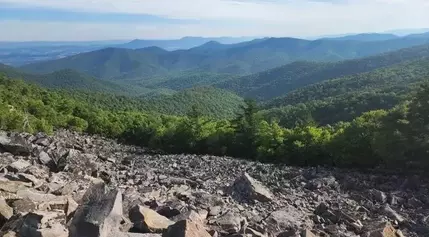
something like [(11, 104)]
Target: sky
[(83, 20)]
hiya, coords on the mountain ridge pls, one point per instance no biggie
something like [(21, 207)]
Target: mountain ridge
[(242, 58)]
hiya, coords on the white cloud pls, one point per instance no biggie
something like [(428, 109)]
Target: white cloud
[(256, 18)]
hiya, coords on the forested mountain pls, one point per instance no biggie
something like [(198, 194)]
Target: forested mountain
[(345, 98), (281, 80), (242, 58), (66, 79), (389, 77)]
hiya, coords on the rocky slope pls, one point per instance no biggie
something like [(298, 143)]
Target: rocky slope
[(78, 186)]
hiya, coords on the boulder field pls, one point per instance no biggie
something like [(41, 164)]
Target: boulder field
[(73, 185)]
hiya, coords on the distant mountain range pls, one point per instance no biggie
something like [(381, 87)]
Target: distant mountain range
[(20, 53), (239, 59), (366, 37), (183, 43)]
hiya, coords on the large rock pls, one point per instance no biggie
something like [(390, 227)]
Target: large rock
[(39, 197), (190, 215), (13, 186), (229, 223), (15, 144), (148, 220), (186, 228), (379, 196), (6, 211), (18, 165), (40, 224), (307, 233), (287, 219), (389, 212), (45, 159), (100, 213), (247, 187), (30, 178), (382, 230)]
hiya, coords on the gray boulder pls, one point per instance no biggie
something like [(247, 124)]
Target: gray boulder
[(100, 213), (246, 187), (15, 144)]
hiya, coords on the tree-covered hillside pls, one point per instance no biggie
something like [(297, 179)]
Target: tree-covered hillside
[(66, 79), (345, 98), (185, 80), (281, 80), (394, 138), (211, 102), (242, 58)]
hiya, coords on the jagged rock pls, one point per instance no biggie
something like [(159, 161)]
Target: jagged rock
[(39, 197), (168, 211), (43, 141), (388, 211), (324, 182), (253, 233), (321, 208), (379, 196), (307, 233), (10, 234), (186, 228), (190, 215), (45, 159), (30, 178), (70, 208), (288, 218), (42, 224), (15, 144), (40, 172), (13, 186), (414, 202), (100, 213), (206, 200), (229, 223), (382, 230), (247, 187), (126, 224), (148, 220), (214, 211), (24, 206), (6, 211), (18, 165)]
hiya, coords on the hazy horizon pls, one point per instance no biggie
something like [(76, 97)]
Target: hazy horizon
[(81, 20)]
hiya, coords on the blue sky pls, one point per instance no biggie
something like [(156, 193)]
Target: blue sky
[(162, 19)]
